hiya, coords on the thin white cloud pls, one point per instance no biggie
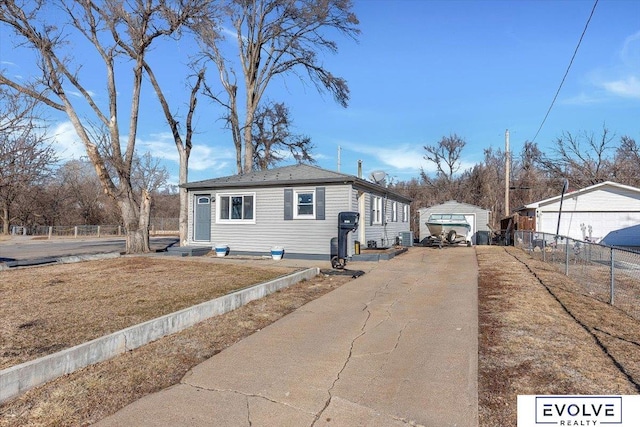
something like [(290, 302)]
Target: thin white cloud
[(627, 82), (66, 143), (401, 156), (581, 99), (628, 87), (630, 52), (79, 95), (203, 157)]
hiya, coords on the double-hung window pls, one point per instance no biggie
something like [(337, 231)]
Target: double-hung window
[(304, 204), (394, 212), (376, 210), (236, 207)]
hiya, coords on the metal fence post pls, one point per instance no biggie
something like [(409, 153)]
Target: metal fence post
[(566, 256), (612, 285)]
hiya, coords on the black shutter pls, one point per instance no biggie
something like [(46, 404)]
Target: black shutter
[(288, 204), (320, 203)]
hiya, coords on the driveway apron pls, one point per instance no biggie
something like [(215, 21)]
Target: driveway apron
[(395, 347)]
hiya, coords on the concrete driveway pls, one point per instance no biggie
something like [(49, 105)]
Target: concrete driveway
[(395, 347)]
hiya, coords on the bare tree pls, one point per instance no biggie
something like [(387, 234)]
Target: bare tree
[(183, 144), (446, 155), (627, 162), (25, 162), (148, 174), (83, 193), (583, 159), (276, 38), (117, 31), (273, 140)]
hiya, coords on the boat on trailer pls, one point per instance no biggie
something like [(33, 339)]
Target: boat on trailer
[(450, 228)]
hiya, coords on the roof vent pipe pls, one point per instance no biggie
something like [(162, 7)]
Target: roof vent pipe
[(359, 168)]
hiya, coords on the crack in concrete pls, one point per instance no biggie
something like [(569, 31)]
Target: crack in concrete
[(353, 342), (397, 343), (247, 396), (248, 411), (388, 353)]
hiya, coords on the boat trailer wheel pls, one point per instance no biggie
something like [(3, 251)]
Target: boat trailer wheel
[(451, 237)]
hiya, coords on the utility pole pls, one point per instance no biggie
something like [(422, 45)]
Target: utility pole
[(507, 168)]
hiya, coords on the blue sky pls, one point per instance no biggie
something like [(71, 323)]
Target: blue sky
[(422, 70)]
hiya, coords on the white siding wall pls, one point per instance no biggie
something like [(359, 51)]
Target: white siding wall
[(605, 210), (601, 223), (304, 236), (609, 199)]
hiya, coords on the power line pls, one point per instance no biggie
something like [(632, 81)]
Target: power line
[(567, 72)]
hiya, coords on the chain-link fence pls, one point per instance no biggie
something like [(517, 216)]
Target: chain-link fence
[(611, 275), (157, 226)]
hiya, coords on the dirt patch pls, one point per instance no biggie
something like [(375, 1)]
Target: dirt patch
[(539, 334), (47, 309)]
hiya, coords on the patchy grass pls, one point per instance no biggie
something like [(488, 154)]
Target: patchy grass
[(540, 335), (92, 393), (47, 309)]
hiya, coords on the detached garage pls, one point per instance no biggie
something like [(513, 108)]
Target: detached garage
[(590, 213), (476, 216)]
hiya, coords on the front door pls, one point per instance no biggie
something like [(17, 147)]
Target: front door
[(202, 221)]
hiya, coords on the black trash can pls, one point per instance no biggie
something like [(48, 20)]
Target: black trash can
[(482, 237)]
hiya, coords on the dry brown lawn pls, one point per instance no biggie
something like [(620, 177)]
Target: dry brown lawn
[(539, 334), (51, 308)]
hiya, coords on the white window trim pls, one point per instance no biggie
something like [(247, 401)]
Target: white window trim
[(295, 204), (377, 210), (405, 213), (394, 211), (235, 221)]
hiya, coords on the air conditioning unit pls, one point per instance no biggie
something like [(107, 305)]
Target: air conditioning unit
[(406, 238)]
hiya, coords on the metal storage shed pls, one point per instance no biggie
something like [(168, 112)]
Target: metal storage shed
[(478, 217)]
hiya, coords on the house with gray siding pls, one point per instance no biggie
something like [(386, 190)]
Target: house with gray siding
[(478, 217), (293, 207)]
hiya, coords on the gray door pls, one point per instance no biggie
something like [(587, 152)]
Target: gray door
[(202, 229)]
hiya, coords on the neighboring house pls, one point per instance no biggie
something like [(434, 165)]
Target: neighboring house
[(476, 216), (295, 207), (590, 213)]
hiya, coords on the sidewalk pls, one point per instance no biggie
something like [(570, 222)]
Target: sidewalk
[(395, 347)]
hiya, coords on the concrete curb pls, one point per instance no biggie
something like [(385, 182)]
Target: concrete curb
[(20, 378), (35, 262)]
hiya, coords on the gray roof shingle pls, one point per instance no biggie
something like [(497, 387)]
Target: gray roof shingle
[(287, 176)]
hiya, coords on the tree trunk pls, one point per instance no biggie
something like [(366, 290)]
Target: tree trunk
[(5, 220), (248, 139), (136, 222), (184, 201)]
